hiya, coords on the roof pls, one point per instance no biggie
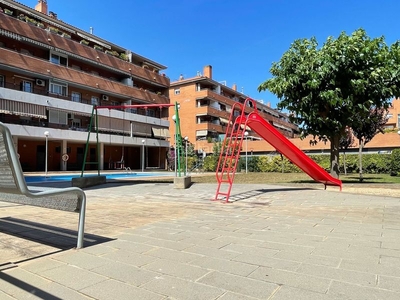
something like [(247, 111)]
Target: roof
[(72, 29)]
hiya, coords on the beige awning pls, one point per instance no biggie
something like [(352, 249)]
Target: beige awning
[(247, 127), (22, 109), (161, 132), (113, 124), (141, 129), (201, 133), (225, 121)]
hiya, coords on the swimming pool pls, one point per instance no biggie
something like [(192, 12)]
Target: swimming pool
[(58, 178)]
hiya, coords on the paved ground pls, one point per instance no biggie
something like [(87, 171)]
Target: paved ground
[(151, 241)]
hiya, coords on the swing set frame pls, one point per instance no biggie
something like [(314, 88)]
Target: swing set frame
[(127, 106)]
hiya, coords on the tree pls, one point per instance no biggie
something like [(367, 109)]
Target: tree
[(366, 128), (327, 88), (345, 142)]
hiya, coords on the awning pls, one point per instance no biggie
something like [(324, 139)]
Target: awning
[(22, 109), (247, 127), (201, 133), (113, 124), (161, 132), (141, 129), (224, 121)]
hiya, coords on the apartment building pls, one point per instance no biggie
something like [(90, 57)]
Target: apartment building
[(52, 74), (205, 106)]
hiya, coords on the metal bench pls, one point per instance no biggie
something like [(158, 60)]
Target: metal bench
[(13, 187)]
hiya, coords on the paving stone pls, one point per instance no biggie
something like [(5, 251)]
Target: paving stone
[(294, 279), (223, 265), (239, 284), (178, 256), (183, 289), (81, 259), (130, 258), (234, 296), (355, 292), (389, 283), (125, 273), (21, 284), (261, 260), (72, 277), (286, 292), (180, 270), (112, 289)]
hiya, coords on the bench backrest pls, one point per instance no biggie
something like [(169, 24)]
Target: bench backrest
[(11, 176)]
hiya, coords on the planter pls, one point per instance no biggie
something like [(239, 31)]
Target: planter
[(123, 56), (84, 42), (22, 17), (40, 25), (8, 12), (98, 48), (31, 21), (66, 35), (53, 30)]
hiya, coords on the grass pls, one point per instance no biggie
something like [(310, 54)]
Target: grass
[(296, 178)]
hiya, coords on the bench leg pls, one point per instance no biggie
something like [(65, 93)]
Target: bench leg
[(81, 225)]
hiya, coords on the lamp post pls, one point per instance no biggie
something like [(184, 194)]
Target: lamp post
[(143, 141), (46, 134), (186, 154), (246, 134)]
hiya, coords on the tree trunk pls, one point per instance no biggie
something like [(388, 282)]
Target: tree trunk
[(335, 140), (360, 149), (344, 163)]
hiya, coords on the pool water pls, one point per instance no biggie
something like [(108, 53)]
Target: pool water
[(53, 178)]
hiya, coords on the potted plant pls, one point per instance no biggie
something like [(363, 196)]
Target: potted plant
[(123, 56), (53, 29), (22, 17), (40, 25), (30, 21), (97, 47), (84, 42), (66, 35), (8, 12)]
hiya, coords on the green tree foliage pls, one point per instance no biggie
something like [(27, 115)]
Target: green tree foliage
[(327, 88), (365, 128)]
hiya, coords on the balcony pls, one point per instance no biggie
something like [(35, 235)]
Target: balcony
[(210, 111), (211, 127), (44, 38), (46, 69)]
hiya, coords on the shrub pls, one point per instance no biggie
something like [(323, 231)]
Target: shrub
[(395, 161)]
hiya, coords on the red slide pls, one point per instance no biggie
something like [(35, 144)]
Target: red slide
[(288, 149)]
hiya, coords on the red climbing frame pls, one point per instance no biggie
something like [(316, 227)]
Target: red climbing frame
[(233, 142)]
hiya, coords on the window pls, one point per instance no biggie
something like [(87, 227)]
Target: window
[(58, 117), (26, 86), (76, 97), (177, 91), (58, 59), (2, 81), (58, 88), (95, 100)]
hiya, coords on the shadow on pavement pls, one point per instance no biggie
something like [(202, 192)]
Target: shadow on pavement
[(56, 237)]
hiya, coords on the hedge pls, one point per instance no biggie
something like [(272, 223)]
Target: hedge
[(372, 163)]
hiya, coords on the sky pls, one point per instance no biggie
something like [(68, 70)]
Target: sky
[(239, 39)]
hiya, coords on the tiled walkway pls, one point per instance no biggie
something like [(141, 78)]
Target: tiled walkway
[(151, 241)]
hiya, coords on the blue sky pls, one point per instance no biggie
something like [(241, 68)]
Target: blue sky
[(240, 39)]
